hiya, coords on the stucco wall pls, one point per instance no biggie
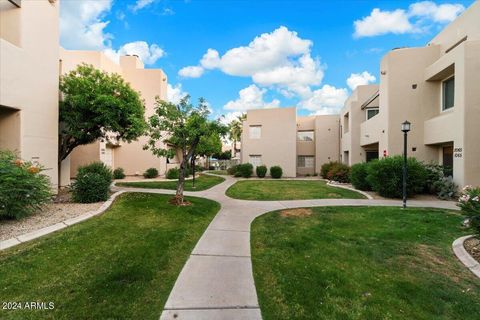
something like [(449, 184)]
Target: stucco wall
[(327, 140)]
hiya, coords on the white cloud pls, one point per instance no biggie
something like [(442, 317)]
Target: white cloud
[(278, 59), (326, 100), (175, 93), (357, 79), (82, 25), (191, 72), (148, 54), (418, 18), (251, 97), (438, 13), (140, 4), (230, 116), (382, 22)]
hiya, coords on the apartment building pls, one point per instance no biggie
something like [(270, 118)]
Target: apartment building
[(151, 83), (29, 52), (300, 145), (436, 88), (358, 143)]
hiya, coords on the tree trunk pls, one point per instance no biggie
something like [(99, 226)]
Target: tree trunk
[(193, 171), (234, 153), (181, 182)]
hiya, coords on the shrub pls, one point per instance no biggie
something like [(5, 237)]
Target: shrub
[(276, 172), (358, 176), (325, 168), (23, 188), (118, 173), (232, 170), (445, 188), (385, 176), (173, 173), (150, 173), (434, 173), (339, 172), (469, 202), (92, 183), (244, 170), (261, 171)]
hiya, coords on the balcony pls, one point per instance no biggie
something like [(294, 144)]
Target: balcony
[(12, 75), (443, 128), (371, 130)]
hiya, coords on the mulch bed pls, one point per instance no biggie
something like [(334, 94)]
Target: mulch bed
[(472, 246)]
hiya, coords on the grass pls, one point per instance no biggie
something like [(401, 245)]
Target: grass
[(288, 190), (121, 265), (361, 263), (202, 182)]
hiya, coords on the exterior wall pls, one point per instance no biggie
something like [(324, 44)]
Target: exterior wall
[(29, 82), (150, 83), (327, 140), (351, 139), (277, 144), (305, 148)]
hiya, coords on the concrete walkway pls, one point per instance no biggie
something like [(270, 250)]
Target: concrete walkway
[(217, 280)]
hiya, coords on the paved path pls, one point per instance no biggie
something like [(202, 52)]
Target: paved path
[(217, 280)]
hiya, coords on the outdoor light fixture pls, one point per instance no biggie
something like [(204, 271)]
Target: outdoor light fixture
[(405, 130)]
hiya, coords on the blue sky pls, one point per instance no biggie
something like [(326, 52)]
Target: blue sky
[(303, 56)]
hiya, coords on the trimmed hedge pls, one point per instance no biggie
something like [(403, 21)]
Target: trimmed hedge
[(173, 173), (244, 170), (385, 176), (261, 171), (325, 168), (232, 170), (150, 173), (276, 172), (92, 183), (119, 173), (358, 176), (339, 172)]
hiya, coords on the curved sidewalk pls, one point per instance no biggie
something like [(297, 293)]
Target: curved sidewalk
[(217, 280)]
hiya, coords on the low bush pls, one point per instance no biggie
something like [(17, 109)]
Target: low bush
[(92, 183), (339, 172), (261, 171), (276, 172), (445, 188), (385, 176), (469, 202), (119, 173), (173, 173), (434, 173), (23, 188), (232, 170), (244, 170), (150, 173), (325, 168), (358, 176)]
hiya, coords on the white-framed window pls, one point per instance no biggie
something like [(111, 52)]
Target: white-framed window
[(448, 93), (255, 132), (255, 160), (305, 135), (306, 161), (372, 112)]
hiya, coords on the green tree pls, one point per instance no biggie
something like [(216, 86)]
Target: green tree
[(96, 105), (235, 131), (180, 126)]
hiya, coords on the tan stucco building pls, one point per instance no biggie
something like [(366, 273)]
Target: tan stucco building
[(150, 83), (29, 53), (300, 145), (436, 88)]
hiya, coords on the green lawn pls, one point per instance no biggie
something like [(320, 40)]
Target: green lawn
[(288, 190), (202, 182), (362, 263), (121, 265)]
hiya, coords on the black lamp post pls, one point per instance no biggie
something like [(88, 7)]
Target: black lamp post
[(405, 129)]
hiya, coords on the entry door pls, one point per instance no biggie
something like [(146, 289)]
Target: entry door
[(107, 156), (448, 160)]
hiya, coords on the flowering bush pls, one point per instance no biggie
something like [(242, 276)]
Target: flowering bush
[(23, 189), (469, 202), (92, 183)]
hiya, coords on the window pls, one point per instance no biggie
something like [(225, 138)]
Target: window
[(305, 135), (346, 120), (306, 161), (372, 112), (255, 132), (448, 93), (255, 160)]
